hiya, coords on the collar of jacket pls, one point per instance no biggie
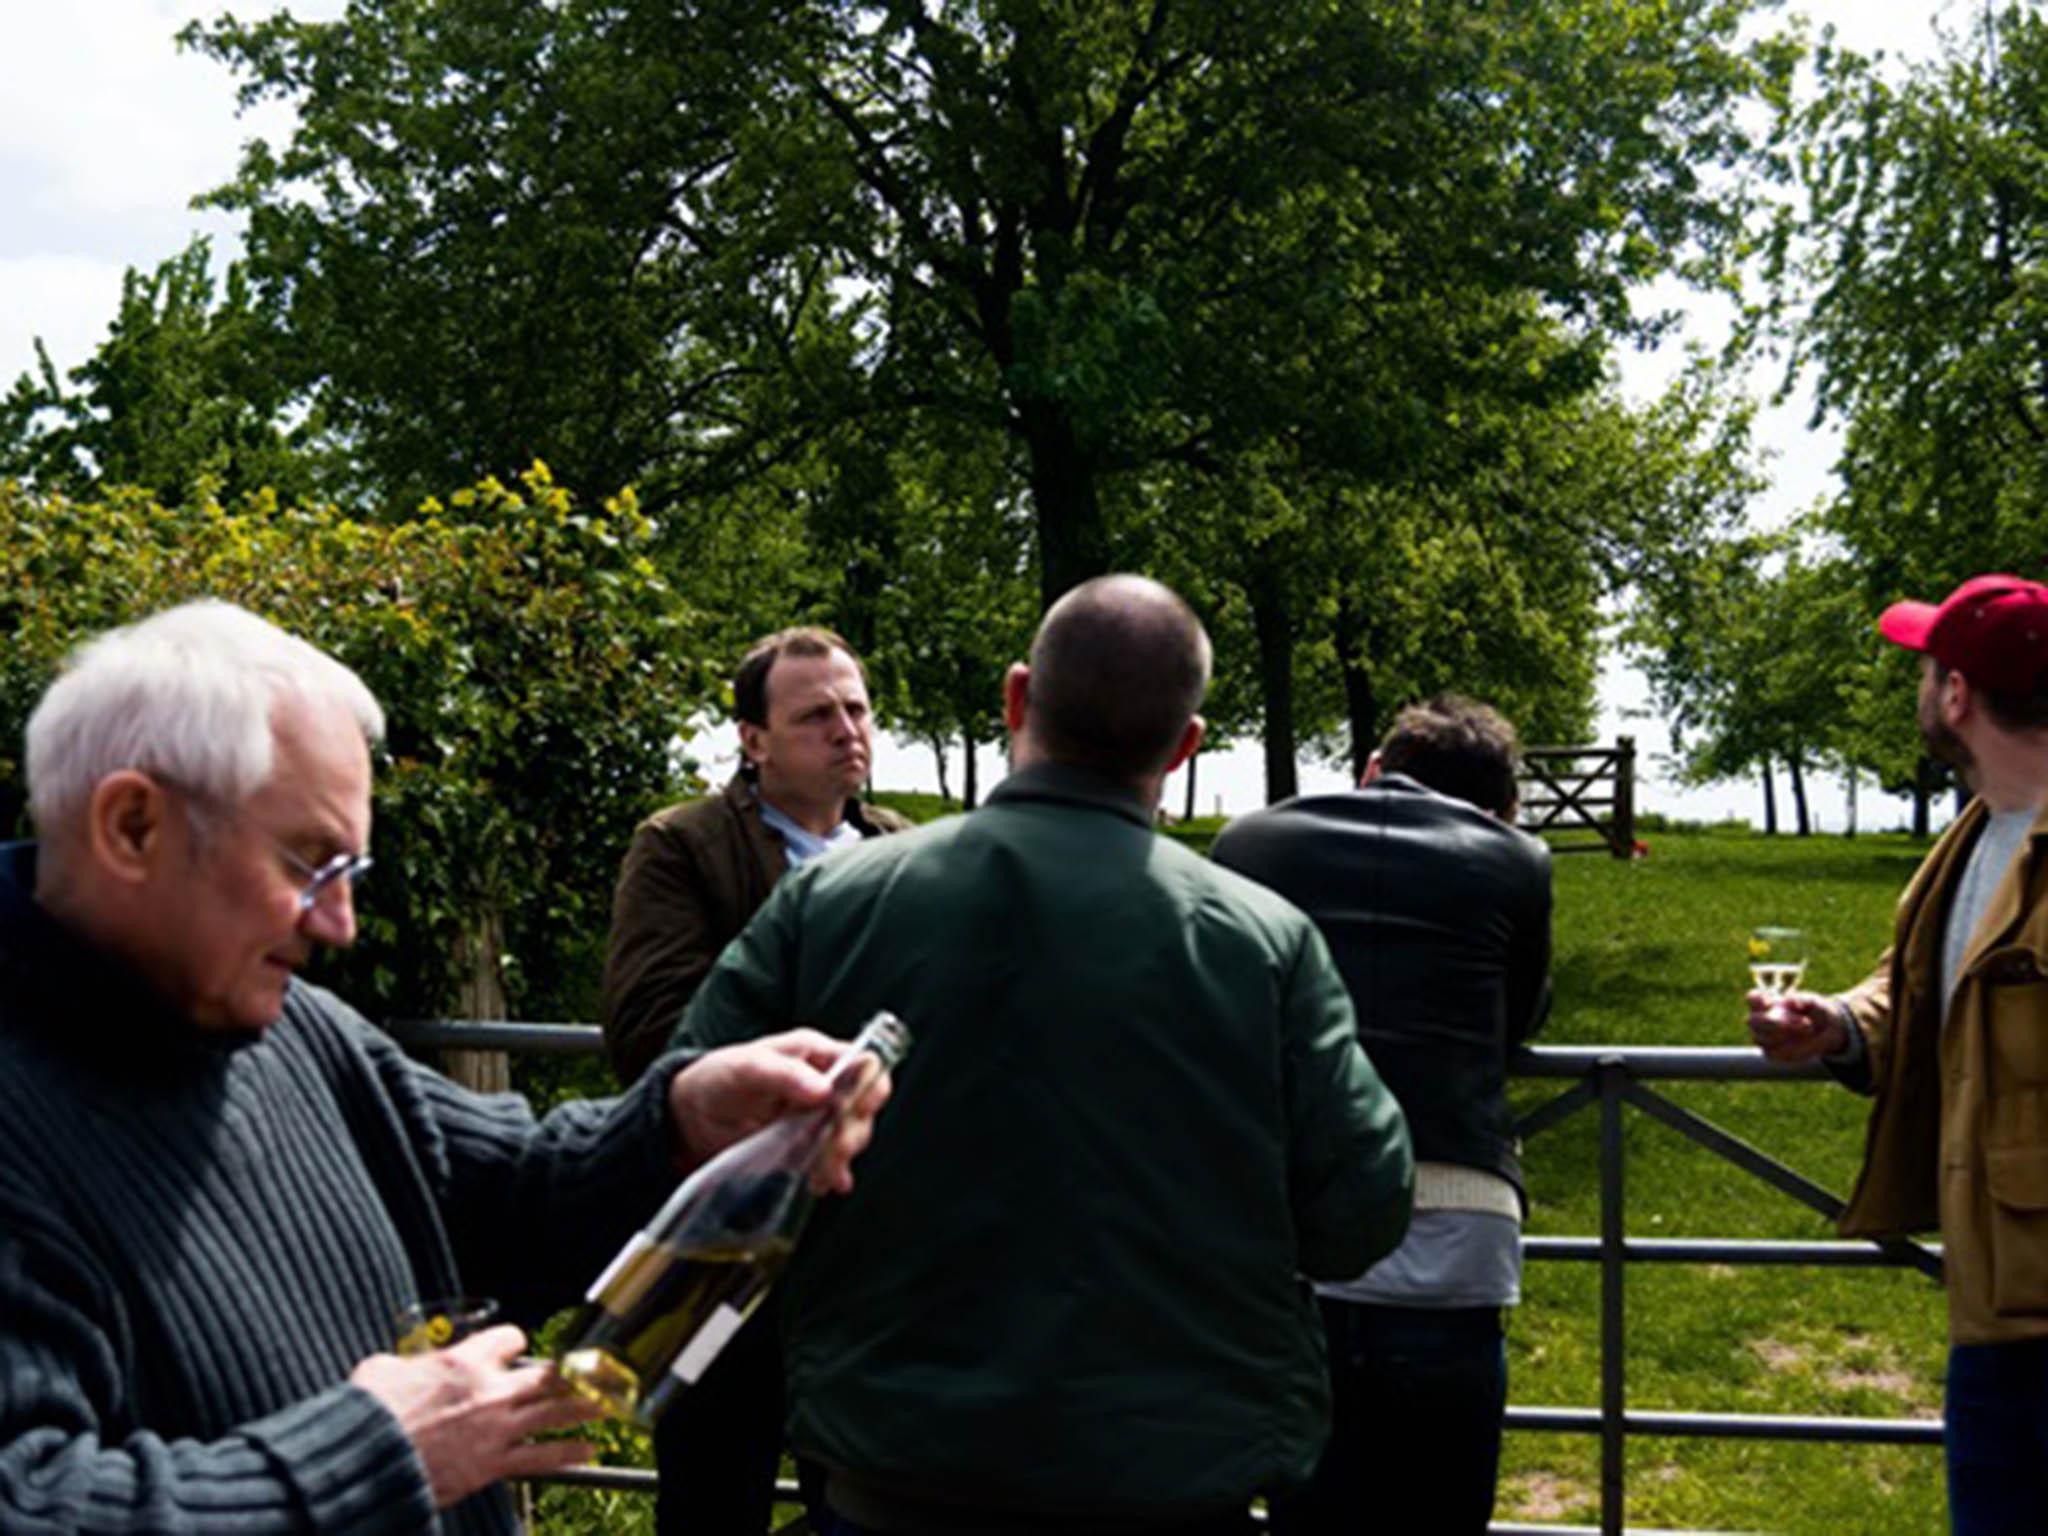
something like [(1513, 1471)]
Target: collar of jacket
[(743, 794), (1076, 786), (84, 998)]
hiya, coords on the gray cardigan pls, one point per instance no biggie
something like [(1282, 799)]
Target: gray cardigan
[(199, 1241)]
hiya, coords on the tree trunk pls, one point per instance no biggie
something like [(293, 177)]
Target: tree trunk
[(1798, 771), (1923, 796), (1770, 802), (1274, 626), (1071, 543), (1850, 829), (1361, 706), (939, 754), (970, 778), (1189, 813), (481, 995)]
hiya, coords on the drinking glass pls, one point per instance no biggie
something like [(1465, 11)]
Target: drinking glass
[(1777, 959), (439, 1321)]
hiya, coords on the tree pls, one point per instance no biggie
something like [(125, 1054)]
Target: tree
[(674, 244), (1753, 666), (1910, 284), (958, 603), (183, 394)]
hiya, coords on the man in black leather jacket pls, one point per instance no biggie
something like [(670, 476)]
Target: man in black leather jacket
[(1438, 914)]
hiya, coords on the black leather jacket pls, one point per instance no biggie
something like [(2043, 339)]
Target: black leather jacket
[(1439, 918)]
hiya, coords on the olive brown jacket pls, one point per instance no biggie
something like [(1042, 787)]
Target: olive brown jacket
[(1958, 1137), (693, 876)]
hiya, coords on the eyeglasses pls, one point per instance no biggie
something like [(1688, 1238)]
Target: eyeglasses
[(343, 866), (318, 878)]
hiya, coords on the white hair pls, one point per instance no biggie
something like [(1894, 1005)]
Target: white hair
[(189, 695)]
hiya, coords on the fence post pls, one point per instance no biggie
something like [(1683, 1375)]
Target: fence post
[(1613, 1076), (1624, 840)]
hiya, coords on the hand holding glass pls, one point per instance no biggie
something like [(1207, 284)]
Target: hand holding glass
[(425, 1326)]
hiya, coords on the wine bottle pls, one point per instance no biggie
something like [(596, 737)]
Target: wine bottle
[(672, 1298)]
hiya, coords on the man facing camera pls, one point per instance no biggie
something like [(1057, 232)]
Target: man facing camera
[(1438, 913), (694, 874)]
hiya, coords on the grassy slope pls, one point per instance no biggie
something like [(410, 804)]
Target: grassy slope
[(1653, 953)]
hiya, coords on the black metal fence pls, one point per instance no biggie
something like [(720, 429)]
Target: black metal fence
[(1609, 1080)]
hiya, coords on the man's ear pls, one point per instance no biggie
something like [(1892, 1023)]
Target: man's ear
[(1956, 699), (1016, 696), (751, 746), (127, 821), (1372, 770), (1190, 743)]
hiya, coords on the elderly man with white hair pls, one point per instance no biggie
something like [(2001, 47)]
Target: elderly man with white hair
[(219, 1185)]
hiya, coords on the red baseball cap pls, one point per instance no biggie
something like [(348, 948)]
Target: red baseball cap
[(1992, 629)]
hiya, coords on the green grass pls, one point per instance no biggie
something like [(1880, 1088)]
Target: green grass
[(1652, 953)]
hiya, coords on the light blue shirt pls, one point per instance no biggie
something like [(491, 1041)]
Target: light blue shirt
[(799, 844)]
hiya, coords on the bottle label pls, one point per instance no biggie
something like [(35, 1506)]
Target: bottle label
[(640, 1244), (697, 1355)]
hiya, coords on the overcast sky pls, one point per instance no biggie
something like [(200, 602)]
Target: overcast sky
[(107, 132)]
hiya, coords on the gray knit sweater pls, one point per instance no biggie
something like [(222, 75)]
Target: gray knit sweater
[(198, 1243)]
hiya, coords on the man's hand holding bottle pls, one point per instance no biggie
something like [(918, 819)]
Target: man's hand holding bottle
[(726, 1095)]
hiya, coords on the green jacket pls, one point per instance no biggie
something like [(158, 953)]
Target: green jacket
[(1136, 1109)]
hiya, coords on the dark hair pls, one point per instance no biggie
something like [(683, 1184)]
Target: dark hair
[(1457, 746), (1118, 668), (2014, 711), (750, 682)]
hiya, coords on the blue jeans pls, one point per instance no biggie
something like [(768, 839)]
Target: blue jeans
[(1417, 1397), (1997, 1438)]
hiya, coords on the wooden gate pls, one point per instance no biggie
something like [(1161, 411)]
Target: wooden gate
[(1573, 790)]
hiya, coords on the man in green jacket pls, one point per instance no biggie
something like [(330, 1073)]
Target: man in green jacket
[(1066, 1293)]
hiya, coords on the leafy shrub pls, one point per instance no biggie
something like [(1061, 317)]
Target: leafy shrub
[(535, 665)]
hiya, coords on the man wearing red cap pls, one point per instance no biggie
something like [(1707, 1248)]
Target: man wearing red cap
[(1951, 1037)]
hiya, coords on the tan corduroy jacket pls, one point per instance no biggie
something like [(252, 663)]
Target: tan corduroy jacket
[(1958, 1137)]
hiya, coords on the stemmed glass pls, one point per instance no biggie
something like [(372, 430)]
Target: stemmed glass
[(1777, 959)]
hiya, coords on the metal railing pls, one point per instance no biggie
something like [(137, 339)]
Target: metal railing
[(1605, 1078), (1611, 1078)]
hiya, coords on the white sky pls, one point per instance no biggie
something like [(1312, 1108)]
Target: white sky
[(107, 131)]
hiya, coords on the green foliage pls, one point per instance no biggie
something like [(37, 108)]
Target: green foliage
[(535, 667), (183, 398), (676, 245), (1750, 668), (1911, 282)]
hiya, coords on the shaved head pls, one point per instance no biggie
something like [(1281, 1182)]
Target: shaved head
[(1118, 669)]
